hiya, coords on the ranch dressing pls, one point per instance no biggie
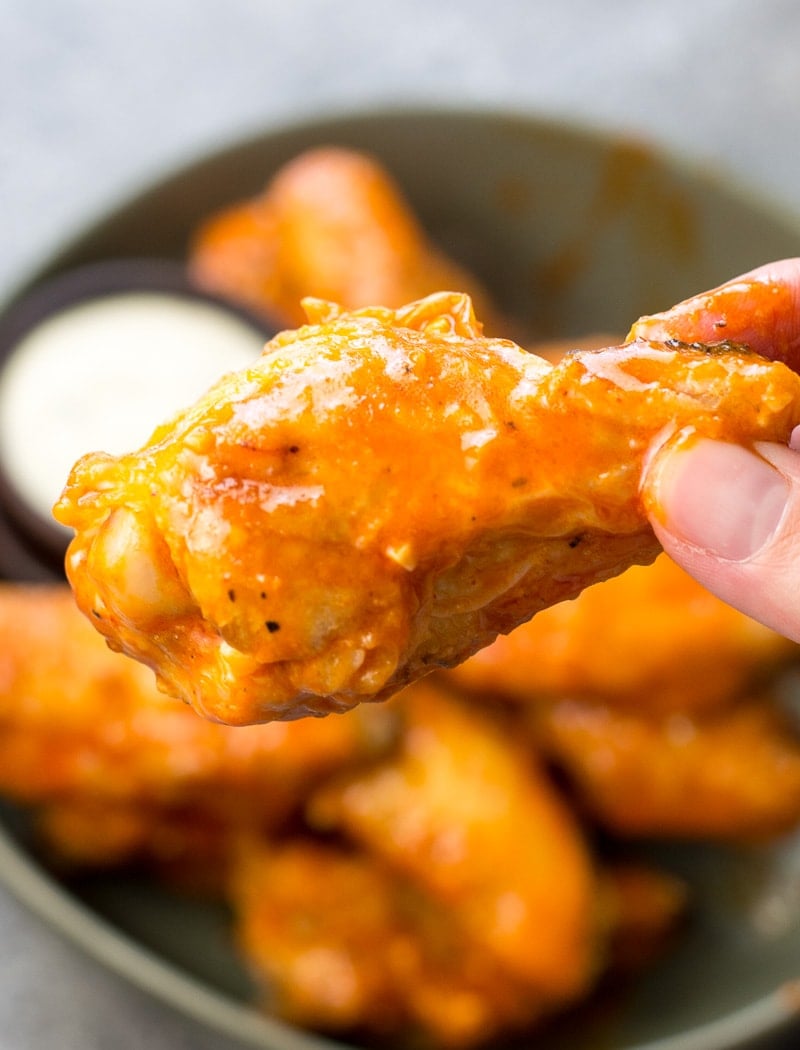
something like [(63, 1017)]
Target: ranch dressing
[(102, 374)]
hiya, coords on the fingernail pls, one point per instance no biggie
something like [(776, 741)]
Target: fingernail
[(718, 497)]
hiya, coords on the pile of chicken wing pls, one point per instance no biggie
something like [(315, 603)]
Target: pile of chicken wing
[(450, 866)]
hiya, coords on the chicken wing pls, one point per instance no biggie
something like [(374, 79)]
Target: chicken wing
[(381, 493), (466, 812), (733, 775), (339, 943), (652, 639), (186, 848), (80, 725), (331, 224)]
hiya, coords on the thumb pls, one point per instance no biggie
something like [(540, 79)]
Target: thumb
[(731, 518)]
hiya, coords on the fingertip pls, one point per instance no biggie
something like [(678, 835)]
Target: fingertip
[(781, 271), (759, 309), (717, 496), (731, 518)]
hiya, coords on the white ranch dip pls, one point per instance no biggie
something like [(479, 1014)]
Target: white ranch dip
[(100, 375)]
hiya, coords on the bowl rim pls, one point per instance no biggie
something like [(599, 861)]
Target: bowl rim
[(45, 896)]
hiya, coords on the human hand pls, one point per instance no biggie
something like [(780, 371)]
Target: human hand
[(729, 516)]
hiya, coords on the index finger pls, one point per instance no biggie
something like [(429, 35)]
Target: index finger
[(760, 309)]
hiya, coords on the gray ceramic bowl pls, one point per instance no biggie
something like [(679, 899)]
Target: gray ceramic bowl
[(573, 232)]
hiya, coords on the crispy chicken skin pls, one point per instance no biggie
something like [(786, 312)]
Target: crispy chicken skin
[(382, 493), (733, 775), (652, 639), (334, 225), (448, 811)]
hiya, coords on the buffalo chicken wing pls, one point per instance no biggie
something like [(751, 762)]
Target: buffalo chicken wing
[(332, 224), (652, 640), (382, 493)]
